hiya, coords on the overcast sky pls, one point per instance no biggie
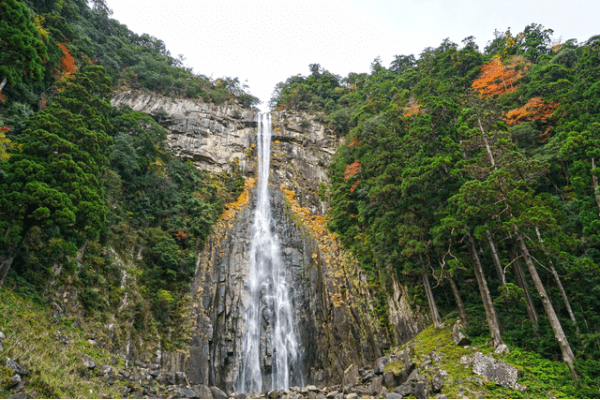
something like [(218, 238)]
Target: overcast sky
[(265, 42)]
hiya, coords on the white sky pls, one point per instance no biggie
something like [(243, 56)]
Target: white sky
[(265, 42)]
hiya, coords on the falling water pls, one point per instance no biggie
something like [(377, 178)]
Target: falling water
[(271, 354)]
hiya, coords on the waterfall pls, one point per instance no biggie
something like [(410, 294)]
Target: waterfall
[(271, 353)]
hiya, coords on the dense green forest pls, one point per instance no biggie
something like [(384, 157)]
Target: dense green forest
[(77, 174), (474, 174)]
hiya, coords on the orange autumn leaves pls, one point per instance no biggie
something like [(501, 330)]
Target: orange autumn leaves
[(497, 79), (67, 63), (351, 171), (536, 109)]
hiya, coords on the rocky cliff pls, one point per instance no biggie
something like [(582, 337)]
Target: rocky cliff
[(334, 302)]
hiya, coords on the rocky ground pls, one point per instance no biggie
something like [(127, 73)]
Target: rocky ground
[(410, 371)]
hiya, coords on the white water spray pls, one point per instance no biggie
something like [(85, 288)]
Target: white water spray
[(271, 354)]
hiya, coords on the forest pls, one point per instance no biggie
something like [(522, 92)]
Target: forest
[(473, 173), (79, 177)]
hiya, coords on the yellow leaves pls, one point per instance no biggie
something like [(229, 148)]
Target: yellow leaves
[(39, 22), (158, 166), (315, 223), (243, 200)]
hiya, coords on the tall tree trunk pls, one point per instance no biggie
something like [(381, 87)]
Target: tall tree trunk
[(6, 259), (522, 282), (458, 299), (437, 321), (496, 258), (488, 304), (558, 282), (567, 353), (595, 186)]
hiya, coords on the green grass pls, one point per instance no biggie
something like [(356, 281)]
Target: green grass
[(541, 376), (54, 368)]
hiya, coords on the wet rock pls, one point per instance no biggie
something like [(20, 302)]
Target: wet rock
[(274, 394), (493, 370), (458, 334), (217, 393), (18, 368), (351, 376), (88, 362), (438, 380), (203, 391)]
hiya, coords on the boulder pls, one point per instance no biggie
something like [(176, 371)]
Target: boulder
[(189, 394), (380, 364), (393, 379), (376, 387), (501, 349), (88, 362), (404, 390), (15, 366), (351, 376), (466, 361), (458, 334), (393, 395), (421, 390), (203, 391), (218, 393), (438, 380), (493, 370)]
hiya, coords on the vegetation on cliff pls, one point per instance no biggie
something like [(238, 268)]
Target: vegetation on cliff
[(92, 204), (474, 173)]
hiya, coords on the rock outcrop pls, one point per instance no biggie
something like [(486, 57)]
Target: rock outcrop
[(339, 325)]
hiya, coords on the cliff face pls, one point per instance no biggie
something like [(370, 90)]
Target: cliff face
[(334, 302)]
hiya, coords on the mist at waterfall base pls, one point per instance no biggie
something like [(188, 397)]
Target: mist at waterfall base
[(271, 352)]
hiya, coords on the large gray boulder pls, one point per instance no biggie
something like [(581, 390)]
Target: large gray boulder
[(458, 334), (351, 376), (380, 364), (203, 391), (496, 371)]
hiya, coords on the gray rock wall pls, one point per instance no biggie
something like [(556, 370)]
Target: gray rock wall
[(339, 325)]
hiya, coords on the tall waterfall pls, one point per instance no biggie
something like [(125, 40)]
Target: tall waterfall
[(271, 353)]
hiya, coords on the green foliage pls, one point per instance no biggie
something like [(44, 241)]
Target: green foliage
[(22, 51), (439, 161)]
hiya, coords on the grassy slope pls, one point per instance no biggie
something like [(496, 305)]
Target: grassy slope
[(54, 367), (543, 378)]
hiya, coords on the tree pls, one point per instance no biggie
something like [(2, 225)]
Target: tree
[(52, 190), (22, 51)]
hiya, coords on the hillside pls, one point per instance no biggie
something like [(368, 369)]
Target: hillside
[(459, 184)]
